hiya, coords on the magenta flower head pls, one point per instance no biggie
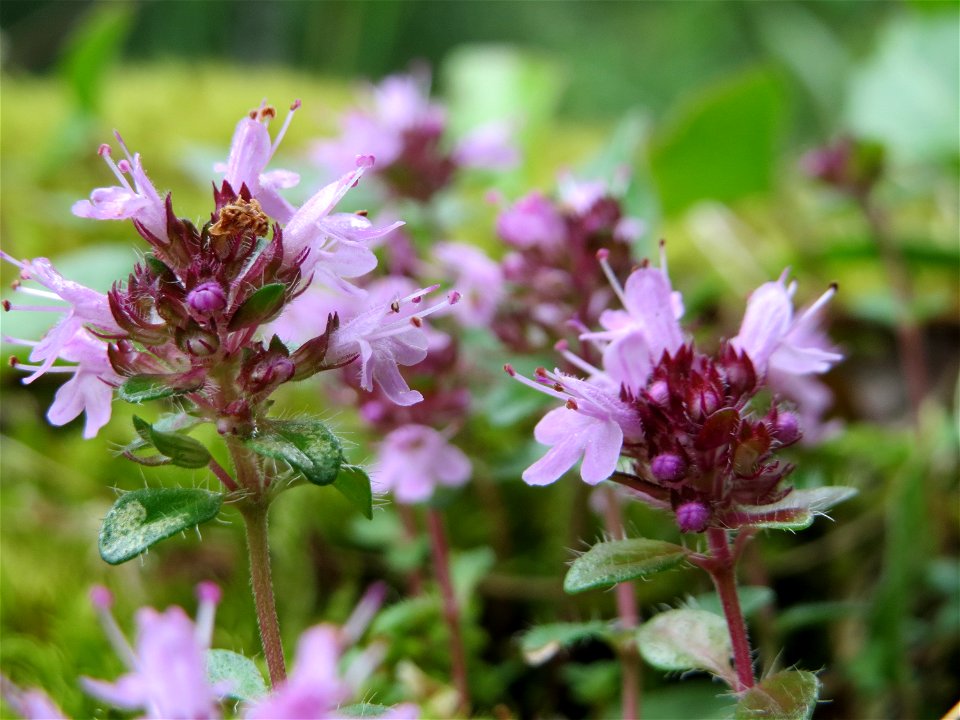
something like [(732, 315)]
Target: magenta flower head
[(683, 429), (408, 135)]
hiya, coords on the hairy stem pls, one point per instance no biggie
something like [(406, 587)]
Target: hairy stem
[(451, 611), (255, 522), (254, 508), (722, 569), (630, 664)]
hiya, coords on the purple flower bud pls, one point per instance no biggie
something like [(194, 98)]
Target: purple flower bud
[(788, 428), (207, 298), (197, 341), (101, 597), (659, 392), (668, 467), (692, 517), (209, 592)]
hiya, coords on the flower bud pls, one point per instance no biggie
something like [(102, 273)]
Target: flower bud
[(659, 392), (207, 299), (668, 467), (693, 517), (787, 429), (196, 341)]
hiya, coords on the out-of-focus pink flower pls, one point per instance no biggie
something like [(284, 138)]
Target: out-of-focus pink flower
[(138, 201), (414, 460), (478, 278), (532, 221), (489, 146), (31, 704)]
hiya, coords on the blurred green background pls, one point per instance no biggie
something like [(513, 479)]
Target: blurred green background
[(712, 105)]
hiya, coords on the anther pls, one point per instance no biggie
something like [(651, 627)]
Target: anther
[(395, 306), (572, 404), (416, 322), (508, 369)]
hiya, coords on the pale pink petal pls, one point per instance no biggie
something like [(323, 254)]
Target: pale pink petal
[(628, 361), (603, 442), (560, 458), (127, 693), (765, 322), (649, 301)]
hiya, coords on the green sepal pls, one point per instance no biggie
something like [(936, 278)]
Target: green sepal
[(142, 388), (354, 484), (787, 695), (307, 446), (261, 306), (142, 518), (240, 672), (616, 561)]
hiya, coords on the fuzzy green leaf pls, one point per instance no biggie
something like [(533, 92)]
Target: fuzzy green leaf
[(182, 450), (608, 563), (260, 307), (363, 710), (540, 644), (307, 446), (795, 512), (240, 672), (354, 484), (788, 695), (685, 639), (141, 518)]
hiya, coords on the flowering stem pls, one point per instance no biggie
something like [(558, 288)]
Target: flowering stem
[(722, 570), (254, 511), (222, 475), (255, 522), (451, 611), (630, 664)]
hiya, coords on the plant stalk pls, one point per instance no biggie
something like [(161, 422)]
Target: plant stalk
[(451, 611), (255, 522), (630, 663), (722, 570)]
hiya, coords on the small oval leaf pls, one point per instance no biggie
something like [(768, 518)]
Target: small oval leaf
[(354, 484), (307, 446), (141, 388), (239, 675), (541, 643), (141, 518), (608, 563), (794, 512), (685, 639), (260, 307), (182, 450), (788, 695)]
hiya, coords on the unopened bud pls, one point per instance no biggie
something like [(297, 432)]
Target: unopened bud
[(101, 597), (659, 392), (788, 428), (207, 299), (668, 467), (197, 342), (692, 517)]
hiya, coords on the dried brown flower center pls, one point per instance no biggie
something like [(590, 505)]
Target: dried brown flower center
[(240, 217)]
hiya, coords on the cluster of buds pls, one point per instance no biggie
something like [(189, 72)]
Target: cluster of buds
[(557, 281), (198, 316), (409, 136), (684, 424)]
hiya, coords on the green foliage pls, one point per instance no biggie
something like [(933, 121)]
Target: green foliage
[(616, 561), (354, 484), (181, 450), (141, 518), (239, 672), (307, 446), (260, 307), (788, 695), (541, 643), (687, 640), (143, 388)]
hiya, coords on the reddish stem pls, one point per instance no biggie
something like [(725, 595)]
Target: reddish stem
[(222, 475), (255, 521), (411, 532), (630, 664), (722, 570), (451, 611)]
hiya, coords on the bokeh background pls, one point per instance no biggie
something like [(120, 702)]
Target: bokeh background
[(712, 105)]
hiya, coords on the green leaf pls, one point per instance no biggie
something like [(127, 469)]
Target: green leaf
[(182, 450), (788, 695), (141, 388), (543, 642), (354, 484), (608, 563), (795, 512), (260, 307), (92, 49), (141, 518), (307, 446), (686, 639), (363, 710), (244, 678), (722, 145)]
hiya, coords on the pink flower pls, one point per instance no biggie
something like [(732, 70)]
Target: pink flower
[(338, 245), (314, 688), (414, 460), (32, 704), (386, 331), (250, 151), (139, 202), (532, 221), (489, 146), (592, 424), (167, 675), (478, 278)]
